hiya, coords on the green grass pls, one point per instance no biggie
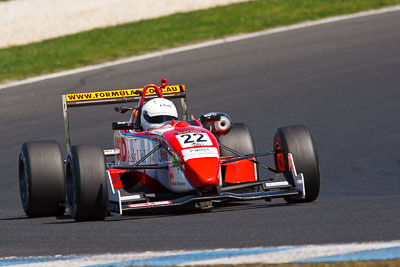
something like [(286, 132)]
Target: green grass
[(107, 44)]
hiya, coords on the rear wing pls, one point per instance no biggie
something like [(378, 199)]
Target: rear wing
[(117, 97)]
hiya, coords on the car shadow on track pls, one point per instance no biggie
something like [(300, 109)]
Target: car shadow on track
[(226, 207), (141, 215), (218, 207), (15, 218)]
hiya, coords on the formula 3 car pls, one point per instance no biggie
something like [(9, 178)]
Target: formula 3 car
[(191, 163)]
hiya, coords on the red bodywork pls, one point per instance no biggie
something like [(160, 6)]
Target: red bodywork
[(200, 162), (200, 171), (240, 172)]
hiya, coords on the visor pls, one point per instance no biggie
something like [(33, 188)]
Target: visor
[(158, 119)]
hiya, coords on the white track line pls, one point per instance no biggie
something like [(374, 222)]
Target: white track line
[(201, 45), (300, 253), (273, 255)]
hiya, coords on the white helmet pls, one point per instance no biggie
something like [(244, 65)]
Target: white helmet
[(156, 112)]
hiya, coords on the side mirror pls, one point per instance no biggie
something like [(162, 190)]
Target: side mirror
[(216, 122), (210, 117), (122, 109), (122, 125)]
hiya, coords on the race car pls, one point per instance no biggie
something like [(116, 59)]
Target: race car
[(187, 162)]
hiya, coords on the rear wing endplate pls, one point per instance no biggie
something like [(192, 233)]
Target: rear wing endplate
[(116, 97)]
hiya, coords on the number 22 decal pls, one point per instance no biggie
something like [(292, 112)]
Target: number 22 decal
[(189, 139), (194, 139)]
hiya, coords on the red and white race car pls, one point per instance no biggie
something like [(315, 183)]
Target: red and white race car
[(188, 163)]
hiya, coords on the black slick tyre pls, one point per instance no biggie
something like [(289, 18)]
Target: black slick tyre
[(297, 140), (86, 178), (239, 139), (41, 179)]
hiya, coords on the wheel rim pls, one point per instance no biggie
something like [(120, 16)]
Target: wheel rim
[(23, 182), (71, 196), (279, 157)]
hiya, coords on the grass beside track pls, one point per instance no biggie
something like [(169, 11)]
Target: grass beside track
[(106, 44)]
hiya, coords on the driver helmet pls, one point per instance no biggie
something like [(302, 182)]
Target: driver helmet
[(156, 112)]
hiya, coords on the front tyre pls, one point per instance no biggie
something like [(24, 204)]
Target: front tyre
[(239, 138), (41, 179), (297, 140), (86, 178)]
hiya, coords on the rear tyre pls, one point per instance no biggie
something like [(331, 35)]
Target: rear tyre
[(297, 140), (238, 138), (41, 179), (86, 178)]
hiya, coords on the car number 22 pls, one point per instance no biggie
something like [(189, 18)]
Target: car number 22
[(194, 139)]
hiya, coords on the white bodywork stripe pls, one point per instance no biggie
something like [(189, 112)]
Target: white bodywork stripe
[(211, 155), (273, 184), (200, 152)]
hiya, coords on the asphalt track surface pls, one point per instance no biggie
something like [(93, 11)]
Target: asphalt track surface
[(340, 79)]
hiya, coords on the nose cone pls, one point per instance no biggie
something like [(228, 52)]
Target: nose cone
[(202, 172)]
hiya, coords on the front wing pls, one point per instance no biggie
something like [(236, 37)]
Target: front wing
[(123, 204)]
